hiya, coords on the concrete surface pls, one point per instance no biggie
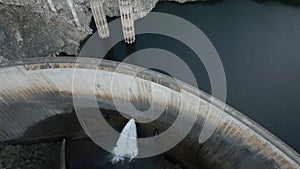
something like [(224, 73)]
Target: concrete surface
[(35, 89)]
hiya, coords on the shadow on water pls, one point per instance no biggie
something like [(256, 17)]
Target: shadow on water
[(82, 152)]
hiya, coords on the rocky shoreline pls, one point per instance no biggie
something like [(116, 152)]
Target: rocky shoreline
[(35, 156)]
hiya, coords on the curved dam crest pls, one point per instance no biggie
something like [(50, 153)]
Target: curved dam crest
[(236, 133)]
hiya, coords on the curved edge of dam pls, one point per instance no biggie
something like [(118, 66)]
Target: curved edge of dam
[(33, 90)]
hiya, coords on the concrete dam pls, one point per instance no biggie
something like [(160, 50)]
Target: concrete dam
[(76, 91), (32, 92)]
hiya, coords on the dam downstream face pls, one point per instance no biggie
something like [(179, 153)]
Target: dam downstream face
[(84, 153), (235, 134)]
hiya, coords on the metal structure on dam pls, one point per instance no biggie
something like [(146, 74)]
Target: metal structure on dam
[(34, 90)]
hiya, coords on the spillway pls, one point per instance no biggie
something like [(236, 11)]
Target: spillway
[(36, 104)]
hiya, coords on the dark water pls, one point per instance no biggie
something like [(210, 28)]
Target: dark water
[(85, 154), (259, 45)]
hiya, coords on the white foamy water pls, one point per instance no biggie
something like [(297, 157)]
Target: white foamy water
[(127, 143)]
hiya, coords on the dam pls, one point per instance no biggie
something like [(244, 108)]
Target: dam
[(63, 107), (238, 142)]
